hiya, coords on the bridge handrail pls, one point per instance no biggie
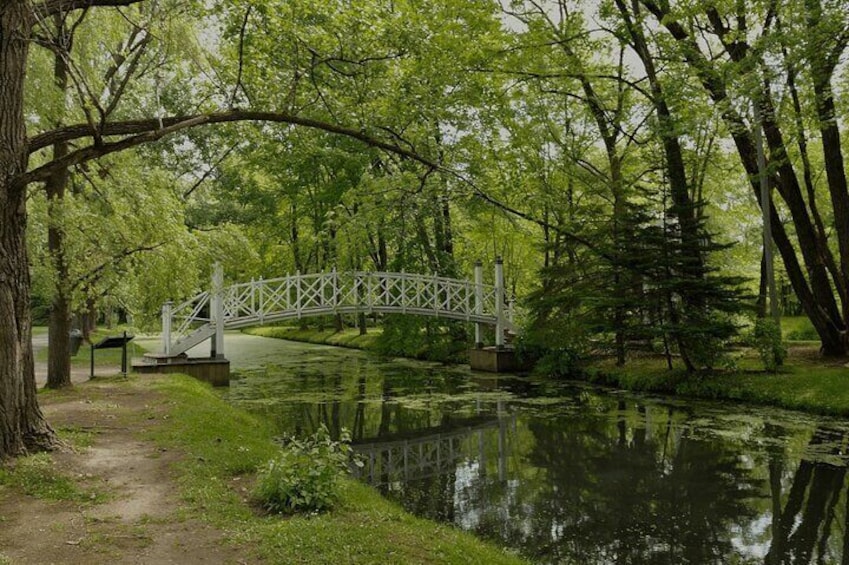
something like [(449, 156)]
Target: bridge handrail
[(368, 290), (188, 313), (261, 300)]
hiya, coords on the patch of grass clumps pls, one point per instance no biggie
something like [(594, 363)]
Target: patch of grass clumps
[(76, 437), (226, 448), (37, 475)]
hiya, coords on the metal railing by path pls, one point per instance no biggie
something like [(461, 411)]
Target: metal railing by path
[(258, 302)]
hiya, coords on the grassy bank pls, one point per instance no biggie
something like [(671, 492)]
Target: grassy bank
[(226, 446), (349, 337), (372, 341), (805, 382)]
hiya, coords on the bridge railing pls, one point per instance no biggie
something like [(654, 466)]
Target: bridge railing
[(179, 321), (294, 296)]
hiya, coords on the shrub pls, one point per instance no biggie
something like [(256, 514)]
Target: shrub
[(766, 338), (421, 338), (557, 349), (305, 476)]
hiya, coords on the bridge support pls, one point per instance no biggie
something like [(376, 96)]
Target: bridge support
[(501, 358), (166, 327), (217, 312), (213, 371), (478, 303), (499, 303)]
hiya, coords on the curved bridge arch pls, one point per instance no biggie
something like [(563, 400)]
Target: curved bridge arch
[(257, 302)]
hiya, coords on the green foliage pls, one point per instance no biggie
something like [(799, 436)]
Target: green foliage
[(38, 476), (423, 338), (305, 476), (557, 346), (766, 338)]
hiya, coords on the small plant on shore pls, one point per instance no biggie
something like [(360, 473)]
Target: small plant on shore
[(305, 477), (766, 338)]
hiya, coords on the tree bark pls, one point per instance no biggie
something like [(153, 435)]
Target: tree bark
[(59, 326), (22, 425), (822, 71)]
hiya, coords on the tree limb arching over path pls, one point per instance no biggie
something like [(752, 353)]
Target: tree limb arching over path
[(22, 425)]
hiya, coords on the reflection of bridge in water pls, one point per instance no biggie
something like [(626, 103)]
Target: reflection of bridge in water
[(435, 453)]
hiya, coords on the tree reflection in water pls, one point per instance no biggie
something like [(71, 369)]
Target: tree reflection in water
[(617, 494), (804, 530), (581, 476)]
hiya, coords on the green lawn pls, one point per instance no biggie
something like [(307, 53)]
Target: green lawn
[(805, 382), (798, 328)]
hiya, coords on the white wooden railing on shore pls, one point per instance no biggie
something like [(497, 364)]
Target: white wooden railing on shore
[(257, 302)]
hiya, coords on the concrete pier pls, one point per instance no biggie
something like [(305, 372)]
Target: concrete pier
[(495, 360), (214, 371)]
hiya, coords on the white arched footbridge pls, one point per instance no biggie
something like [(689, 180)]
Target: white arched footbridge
[(258, 302)]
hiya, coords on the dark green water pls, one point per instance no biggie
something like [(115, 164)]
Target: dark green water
[(565, 473)]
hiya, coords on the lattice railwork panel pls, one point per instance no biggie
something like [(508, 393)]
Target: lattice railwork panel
[(295, 296), (190, 314)]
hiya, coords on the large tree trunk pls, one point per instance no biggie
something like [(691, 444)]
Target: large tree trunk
[(22, 426), (822, 70), (58, 349)]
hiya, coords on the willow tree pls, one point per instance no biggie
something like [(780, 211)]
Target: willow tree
[(22, 424)]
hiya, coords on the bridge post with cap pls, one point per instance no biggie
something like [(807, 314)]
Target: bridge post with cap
[(499, 303), (166, 327), (478, 303), (216, 307)]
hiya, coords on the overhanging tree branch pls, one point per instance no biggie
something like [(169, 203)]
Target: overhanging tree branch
[(95, 274), (139, 132), (52, 7)]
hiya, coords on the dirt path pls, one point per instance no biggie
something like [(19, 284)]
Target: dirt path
[(135, 516)]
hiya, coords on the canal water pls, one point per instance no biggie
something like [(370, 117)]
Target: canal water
[(565, 473)]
